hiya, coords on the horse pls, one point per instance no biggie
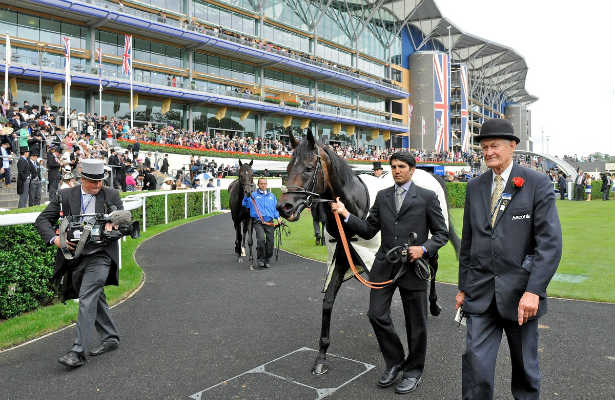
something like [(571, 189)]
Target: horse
[(317, 174), (319, 219), (237, 190)]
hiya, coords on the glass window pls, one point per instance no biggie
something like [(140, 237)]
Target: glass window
[(28, 27)]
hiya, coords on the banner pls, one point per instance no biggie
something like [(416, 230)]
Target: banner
[(374, 134), (305, 123), (465, 120), (441, 103), (287, 121), (221, 113), (13, 84), (386, 135), (135, 100), (244, 115), (337, 128), (57, 93), (350, 130), (166, 106)]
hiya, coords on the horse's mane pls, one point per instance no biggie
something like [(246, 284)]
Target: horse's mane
[(343, 172)]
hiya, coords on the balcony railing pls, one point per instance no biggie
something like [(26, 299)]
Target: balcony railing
[(246, 41)]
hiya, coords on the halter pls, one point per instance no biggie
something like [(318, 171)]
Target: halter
[(310, 195)]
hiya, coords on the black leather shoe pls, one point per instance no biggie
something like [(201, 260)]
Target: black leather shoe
[(389, 376), (72, 359), (103, 348), (408, 384)]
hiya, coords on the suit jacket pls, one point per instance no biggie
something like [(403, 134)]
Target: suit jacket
[(53, 167), (420, 212), (520, 253), (35, 171), (23, 173), (71, 205), (149, 182)]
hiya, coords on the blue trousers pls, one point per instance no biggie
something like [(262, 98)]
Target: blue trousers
[(484, 334)]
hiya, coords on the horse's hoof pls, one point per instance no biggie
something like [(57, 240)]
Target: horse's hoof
[(239, 260), (320, 369), (434, 308), (317, 242)]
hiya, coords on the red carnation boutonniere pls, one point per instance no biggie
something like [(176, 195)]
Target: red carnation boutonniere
[(518, 181)]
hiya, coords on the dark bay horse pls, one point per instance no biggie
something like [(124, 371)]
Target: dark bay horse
[(315, 172), (319, 219), (242, 186)]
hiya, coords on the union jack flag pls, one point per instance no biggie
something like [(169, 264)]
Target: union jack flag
[(99, 59), (440, 104), (127, 55), (465, 121), (66, 41)]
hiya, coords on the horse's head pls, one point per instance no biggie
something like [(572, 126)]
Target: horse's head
[(246, 177), (306, 177)]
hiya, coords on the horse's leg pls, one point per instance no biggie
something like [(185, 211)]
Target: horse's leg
[(245, 235), (316, 223), (250, 241), (434, 308), (322, 234), (321, 366), (238, 241)]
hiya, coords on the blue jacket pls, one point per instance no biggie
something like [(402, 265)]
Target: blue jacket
[(266, 203)]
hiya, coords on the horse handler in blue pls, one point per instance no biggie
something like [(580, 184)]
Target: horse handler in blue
[(510, 249), (263, 212)]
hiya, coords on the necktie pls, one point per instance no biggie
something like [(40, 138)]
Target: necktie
[(495, 196), (399, 197)]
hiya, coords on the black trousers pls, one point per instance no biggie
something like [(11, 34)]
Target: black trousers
[(264, 241), (52, 188), (415, 315), (484, 334), (579, 191)]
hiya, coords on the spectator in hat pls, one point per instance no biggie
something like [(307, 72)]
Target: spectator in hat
[(510, 249), (23, 177), (90, 271), (377, 169), (34, 198), (167, 184), (149, 180), (53, 171), (165, 165), (67, 180), (5, 168)]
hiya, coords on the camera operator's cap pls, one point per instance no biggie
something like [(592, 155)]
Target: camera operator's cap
[(377, 165), (497, 128), (93, 169)]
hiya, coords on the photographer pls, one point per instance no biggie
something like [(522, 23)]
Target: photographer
[(85, 276)]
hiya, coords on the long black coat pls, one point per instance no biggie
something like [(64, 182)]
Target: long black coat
[(71, 204), (23, 172), (420, 213), (520, 253), (53, 167)]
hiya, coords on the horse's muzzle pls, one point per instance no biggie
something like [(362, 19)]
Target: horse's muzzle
[(289, 209)]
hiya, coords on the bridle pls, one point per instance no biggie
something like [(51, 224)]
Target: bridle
[(308, 190)]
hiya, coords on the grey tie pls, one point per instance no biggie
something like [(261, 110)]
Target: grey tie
[(399, 197)]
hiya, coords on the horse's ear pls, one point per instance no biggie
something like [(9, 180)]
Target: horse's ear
[(310, 138), (251, 162), (240, 164), (293, 140)]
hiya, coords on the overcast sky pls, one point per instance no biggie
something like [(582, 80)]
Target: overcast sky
[(569, 49)]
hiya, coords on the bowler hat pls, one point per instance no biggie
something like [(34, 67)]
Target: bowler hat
[(497, 128), (93, 169), (377, 165)]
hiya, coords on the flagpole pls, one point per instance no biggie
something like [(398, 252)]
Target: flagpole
[(99, 91), (131, 100), (7, 55)]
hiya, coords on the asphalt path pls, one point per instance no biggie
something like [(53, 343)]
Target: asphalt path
[(205, 327)]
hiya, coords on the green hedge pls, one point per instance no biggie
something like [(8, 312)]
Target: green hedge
[(26, 263)]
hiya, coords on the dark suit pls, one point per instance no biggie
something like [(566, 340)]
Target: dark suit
[(496, 266), (23, 181), (149, 183), (53, 174), (561, 183), (420, 212), (579, 187), (86, 276)]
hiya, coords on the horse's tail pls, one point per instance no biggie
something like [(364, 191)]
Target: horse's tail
[(452, 234)]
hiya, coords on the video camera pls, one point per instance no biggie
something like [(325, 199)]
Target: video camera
[(94, 225)]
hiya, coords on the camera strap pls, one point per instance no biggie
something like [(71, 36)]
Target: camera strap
[(80, 245)]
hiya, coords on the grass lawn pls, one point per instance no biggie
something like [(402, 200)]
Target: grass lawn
[(588, 250), (51, 318)]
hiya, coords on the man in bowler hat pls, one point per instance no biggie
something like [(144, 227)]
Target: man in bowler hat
[(85, 276), (510, 248)]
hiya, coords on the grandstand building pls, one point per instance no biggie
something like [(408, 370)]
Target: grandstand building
[(383, 73)]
